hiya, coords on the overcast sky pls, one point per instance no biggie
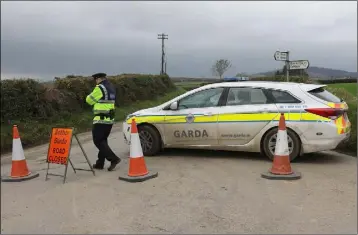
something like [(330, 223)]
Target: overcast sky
[(47, 39)]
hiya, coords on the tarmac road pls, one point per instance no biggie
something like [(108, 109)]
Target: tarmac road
[(195, 192)]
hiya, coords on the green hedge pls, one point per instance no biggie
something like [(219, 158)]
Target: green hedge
[(33, 104), (23, 99), (334, 81)]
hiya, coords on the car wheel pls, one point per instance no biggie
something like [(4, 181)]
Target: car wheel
[(149, 139), (269, 144)]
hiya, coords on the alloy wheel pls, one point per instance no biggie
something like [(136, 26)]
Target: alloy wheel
[(272, 144), (146, 140)]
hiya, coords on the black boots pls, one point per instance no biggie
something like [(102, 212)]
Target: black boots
[(114, 164), (95, 166), (110, 168)]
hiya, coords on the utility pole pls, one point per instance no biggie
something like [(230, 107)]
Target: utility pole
[(162, 37)]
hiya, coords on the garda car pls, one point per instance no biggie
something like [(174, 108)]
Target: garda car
[(243, 116)]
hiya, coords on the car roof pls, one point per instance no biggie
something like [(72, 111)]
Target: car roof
[(266, 84), (288, 86)]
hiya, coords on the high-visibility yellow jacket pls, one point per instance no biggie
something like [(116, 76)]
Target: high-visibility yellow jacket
[(103, 99)]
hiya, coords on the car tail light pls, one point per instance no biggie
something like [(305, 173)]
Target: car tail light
[(327, 112)]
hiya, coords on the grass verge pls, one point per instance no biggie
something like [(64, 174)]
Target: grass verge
[(350, 87), (34, 133), (188, 85)]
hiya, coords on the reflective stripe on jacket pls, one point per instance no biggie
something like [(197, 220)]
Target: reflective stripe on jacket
[(103, 99)]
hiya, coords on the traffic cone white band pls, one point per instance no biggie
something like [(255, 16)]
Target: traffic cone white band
[(135, 147), (281, 148), (17, 150)]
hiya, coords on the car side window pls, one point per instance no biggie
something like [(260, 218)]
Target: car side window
[(202, 99), (283, 97), (245, 96)]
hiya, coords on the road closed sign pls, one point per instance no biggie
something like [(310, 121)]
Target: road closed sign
[(60, 146), (59, 150), (298, 64)]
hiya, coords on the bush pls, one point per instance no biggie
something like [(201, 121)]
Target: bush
[(129, 87), (35, 105), (334, 81), (24, 99)]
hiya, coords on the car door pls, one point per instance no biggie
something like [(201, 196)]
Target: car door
[(195, 120), (246, 112)]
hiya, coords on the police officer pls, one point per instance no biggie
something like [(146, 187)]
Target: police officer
[(103, 100)]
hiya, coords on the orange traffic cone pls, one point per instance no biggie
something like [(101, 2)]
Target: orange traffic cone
[(281, 166), (19, 169), (138, 171)]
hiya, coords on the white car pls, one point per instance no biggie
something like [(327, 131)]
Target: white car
[(243, 116)]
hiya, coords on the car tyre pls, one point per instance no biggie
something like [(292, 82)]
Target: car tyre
[(295, 141), (150, 140)]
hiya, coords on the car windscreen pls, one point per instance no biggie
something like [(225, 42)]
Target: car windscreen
[(325, 95)]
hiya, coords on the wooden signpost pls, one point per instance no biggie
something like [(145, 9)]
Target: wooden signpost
[(60, 148), (290, 65)]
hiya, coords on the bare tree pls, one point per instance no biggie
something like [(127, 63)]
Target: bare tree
[(220, 67)]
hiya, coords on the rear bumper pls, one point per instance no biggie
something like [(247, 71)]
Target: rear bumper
[(126, 133), (325, 144), (344, 141)]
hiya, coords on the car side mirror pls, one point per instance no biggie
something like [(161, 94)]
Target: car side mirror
[(174, 106)]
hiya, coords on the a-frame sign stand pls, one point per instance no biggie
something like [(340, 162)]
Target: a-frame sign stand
[(60, 148)]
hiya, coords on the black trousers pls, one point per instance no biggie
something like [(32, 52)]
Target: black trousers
[(100, 133)]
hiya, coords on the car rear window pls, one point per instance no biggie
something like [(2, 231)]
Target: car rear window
[(283, 97), (325, 95)]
